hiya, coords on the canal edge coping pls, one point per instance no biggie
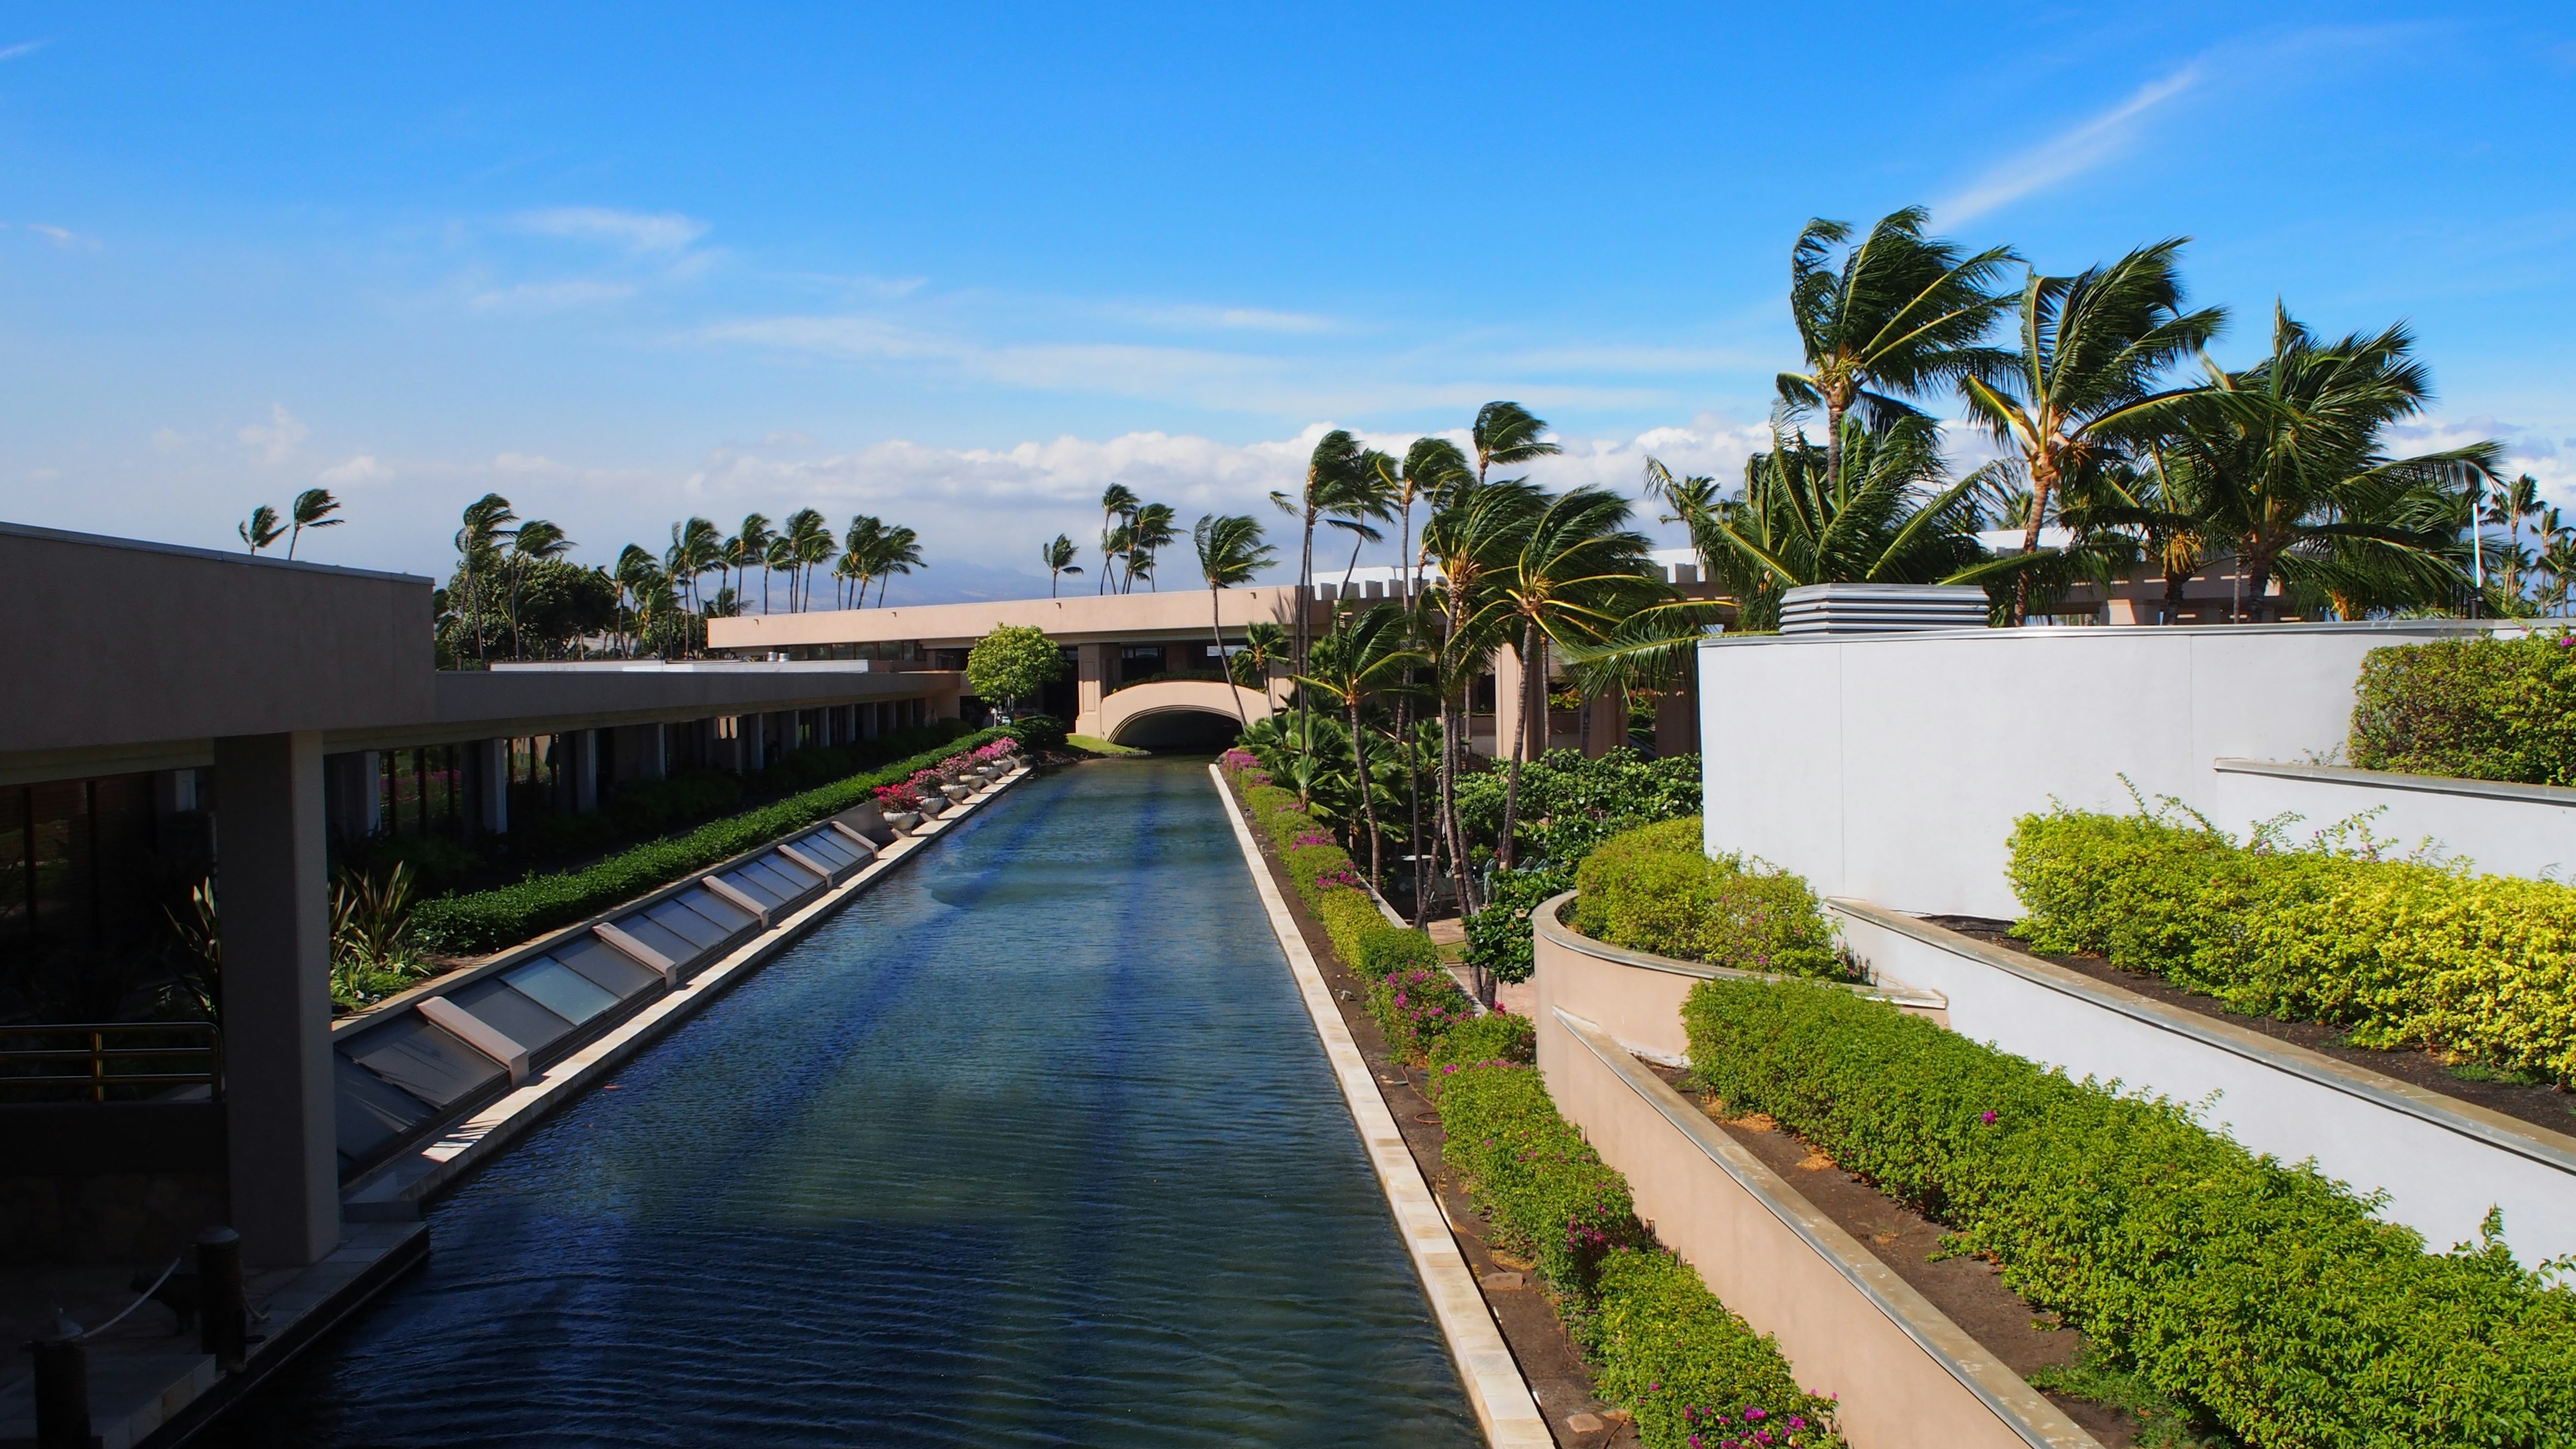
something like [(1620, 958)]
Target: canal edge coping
[(1501, 1398), (399, 1188)]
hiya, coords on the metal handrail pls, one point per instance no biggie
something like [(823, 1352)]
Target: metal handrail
[(198, 1053)]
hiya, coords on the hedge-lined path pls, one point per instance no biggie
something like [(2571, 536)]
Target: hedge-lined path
[(1031, 1144), (1556, 1373)]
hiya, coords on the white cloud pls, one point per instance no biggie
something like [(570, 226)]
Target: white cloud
[(636, 231), (63, 237), (168, 440), (2065, 156), (284, 433), (22, 48), (357, 471)]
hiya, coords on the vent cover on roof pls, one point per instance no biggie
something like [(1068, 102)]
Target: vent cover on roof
[(1881, 608)]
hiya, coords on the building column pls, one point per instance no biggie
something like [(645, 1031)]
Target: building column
[(1609, 714), (653, 760), (1677, 713), (754, 733), (490, 769), (584, 747), (1090, 674), (273, 879), (353, 794), (1508, 704)]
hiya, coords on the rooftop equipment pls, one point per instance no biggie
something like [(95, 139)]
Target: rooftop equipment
[(1882, 608)]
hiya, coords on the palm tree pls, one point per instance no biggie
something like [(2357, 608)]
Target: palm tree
[(1333, 476), (1265, 646), (748, 550), (1364, 653), (2290, 453), (486, 522), (696, 546), (1150, 532), (1902, 314), (261, 529), (899, 552), (1230, 552), (1506, 432), (1579, 574), (1116, 501), (2083, 390), (808, 542), (861, 546), (637, 574), (1885, 517), (2510, 508), (1433, 469), (1058, 556), (1475, 537), (313, 509), (534, 542)]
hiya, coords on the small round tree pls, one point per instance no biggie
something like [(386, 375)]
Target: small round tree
[(1012, 663)]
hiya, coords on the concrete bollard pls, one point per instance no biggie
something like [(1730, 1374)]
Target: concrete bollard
[(222, 1299), (62, 1387)]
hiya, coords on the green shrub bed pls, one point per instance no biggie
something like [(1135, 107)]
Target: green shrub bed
[(1695, 1375), (2477, 709), (488, 920), (2401, 953), (1651, 889), (1569, 805), (2266, 1295)]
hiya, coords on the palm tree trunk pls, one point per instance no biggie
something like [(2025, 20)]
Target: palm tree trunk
[(1216, 629), (1368, 797)]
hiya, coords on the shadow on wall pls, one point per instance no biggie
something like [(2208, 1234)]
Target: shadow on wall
[(1181, 732)]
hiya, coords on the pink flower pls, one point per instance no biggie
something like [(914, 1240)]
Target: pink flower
[(1987, 1117)]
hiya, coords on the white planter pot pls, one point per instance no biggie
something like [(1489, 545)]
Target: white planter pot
[(934, 805), (958, 793), (904, 820)]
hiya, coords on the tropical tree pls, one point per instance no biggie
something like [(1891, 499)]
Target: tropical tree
[(313, 509), (1058, 555), (1885, 516), (261, 529), (749, 550), (1433, 468), (899, 552), (2511, 507), (1335, 487), (1265, 648), (637, 572), (1230, 552), (1901, 314), (1116, 501), (808, 541), (534, 542), (2086, 386), (1148, 531), (1578, 575), (1365, 652), (1475, 538), (862, 548), (696, 548), (486, 523), (1506, 432), (2291, 463)]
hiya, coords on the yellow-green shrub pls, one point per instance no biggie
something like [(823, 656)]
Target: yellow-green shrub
[(2481, 709), (1651, 889), (2404, 954)]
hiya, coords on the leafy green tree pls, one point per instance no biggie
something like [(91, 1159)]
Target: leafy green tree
[(1116, 501), (486, 524), (1902, 314), (899, 552), (1475, 538), (1366, 652), (1147, 534), (533, 542), (313, 509), (2086, 385), (1506, 432), (805, 540), (1339, 487), (749, 550), (1012, 663), (1230, 552)]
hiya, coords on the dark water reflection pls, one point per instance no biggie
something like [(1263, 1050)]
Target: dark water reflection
[(1030, 1146)]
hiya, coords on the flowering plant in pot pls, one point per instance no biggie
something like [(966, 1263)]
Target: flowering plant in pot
[(898, 797)]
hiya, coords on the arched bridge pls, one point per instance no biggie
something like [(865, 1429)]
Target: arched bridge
[(1167, 710)]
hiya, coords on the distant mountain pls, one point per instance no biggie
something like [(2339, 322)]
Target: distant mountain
[(945, 582)]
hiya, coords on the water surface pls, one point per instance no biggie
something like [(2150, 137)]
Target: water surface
[(1032, 1144)]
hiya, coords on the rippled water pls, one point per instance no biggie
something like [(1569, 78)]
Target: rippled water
[(1031, 1144)]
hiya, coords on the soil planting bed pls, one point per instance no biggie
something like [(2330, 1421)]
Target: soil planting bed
[(1556, 1372), (1968, 1290), (2541, 1105)]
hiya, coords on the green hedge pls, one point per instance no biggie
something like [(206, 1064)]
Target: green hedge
[(1569, 806), (1665, 1346), (1651, 889), (1498, 937), (2403, 954), (489, 920), (2264, 1294), (2479, 709)]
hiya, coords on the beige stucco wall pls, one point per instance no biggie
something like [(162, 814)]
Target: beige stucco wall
[(1180, 614), (1207, 696)]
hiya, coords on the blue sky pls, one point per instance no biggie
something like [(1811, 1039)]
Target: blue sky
[(962, 266)]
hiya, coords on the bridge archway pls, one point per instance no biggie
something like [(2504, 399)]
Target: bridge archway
[(1182, 715)]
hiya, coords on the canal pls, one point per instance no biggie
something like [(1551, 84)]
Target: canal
[(1032, 1144)]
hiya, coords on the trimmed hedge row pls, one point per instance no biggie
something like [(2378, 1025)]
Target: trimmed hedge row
[(2404, 954), (2477, 709), (1695, 1375), (1651, 889), (2266, 1295), (489, 920)]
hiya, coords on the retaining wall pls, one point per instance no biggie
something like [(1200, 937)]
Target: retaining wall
[(2442, 1162), (2524, 830)]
